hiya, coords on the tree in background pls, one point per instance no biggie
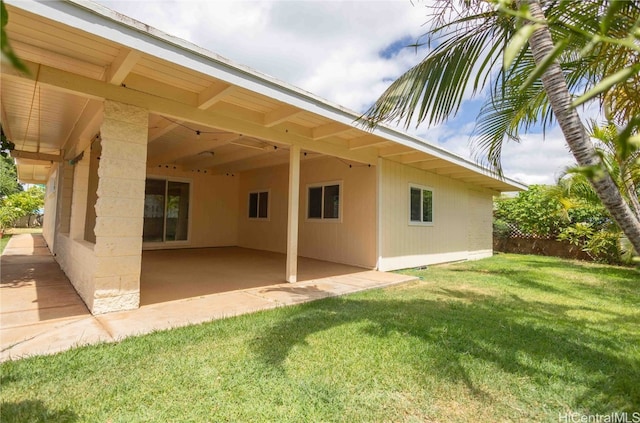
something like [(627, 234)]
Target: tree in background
[(594, 58), (565, 213), (602, 238), (621, 161), (8, 177), (571, 210), (21, 204)]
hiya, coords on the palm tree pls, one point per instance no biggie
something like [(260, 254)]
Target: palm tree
[(623, 164), (533, 86)]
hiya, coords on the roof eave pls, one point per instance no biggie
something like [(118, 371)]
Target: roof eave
[(102, 21)]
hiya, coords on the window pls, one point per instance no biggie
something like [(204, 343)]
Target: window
[(421, 205), (259, 205), (323, 201), (166, 211)]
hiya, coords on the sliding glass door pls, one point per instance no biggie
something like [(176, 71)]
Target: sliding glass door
[(166, 211)]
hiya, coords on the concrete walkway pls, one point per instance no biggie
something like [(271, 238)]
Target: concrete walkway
[(40, 312)]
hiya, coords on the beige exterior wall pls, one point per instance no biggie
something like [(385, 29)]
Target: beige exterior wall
[(352, 240), (270, 234), (480, 224), (213, 214), (461, 226), (65, 196), (73, 253)]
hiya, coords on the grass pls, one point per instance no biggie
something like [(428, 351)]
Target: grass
[(502, 339), (4, 241), (16, 231)]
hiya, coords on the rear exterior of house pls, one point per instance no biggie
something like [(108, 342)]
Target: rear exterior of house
[(147, 142)]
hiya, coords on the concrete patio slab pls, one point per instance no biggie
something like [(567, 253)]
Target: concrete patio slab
[(42, 314), (179, 313), (50, 337)]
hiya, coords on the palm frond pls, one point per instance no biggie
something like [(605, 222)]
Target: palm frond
[(433, 90)]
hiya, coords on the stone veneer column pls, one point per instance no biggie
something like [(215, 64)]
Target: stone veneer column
[(120, 208)]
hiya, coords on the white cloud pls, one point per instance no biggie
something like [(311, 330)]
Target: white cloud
[(329, 48), (332, 49)]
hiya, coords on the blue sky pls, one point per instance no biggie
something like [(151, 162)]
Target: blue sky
[(347, 52)]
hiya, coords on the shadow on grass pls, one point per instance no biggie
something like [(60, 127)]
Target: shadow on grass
[(34, 411), (537, 342)]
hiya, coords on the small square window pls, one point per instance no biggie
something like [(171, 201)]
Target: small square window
[(323, 202), (421, 204), (259, 205)]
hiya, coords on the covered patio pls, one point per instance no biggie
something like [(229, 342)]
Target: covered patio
[(41, 313), (169, 275), (147, 142)]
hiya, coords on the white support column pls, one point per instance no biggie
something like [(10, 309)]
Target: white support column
[(292, 220)]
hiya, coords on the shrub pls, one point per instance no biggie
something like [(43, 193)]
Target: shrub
[(501, 229)]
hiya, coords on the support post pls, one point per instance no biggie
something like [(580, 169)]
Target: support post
[(292, 219)]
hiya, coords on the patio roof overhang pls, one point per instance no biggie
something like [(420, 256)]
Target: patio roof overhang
[(206, 113)]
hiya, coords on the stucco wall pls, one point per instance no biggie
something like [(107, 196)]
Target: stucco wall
[(352, 240), (461, 226)]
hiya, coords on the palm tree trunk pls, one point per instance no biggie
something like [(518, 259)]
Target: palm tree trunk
[(574, 132)]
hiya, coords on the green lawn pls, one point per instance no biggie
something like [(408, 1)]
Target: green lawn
[(508, 338), (4, 241), (16, 231)]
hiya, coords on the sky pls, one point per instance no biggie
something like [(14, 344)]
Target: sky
[(346, 52)]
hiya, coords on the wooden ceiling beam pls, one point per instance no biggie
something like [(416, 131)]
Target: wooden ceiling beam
[(393, 150), (85, 129), (31, 155), (366, 141), (213, 94), (281, 114), (99, 90), (329, 130), (122, 65), (265, 160), (415, 157)]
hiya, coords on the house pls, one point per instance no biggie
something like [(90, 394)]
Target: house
[(145, 141)]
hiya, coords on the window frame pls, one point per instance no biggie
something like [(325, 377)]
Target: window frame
[(422, 188), (165, 243), (324, 219), (259, 192)]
